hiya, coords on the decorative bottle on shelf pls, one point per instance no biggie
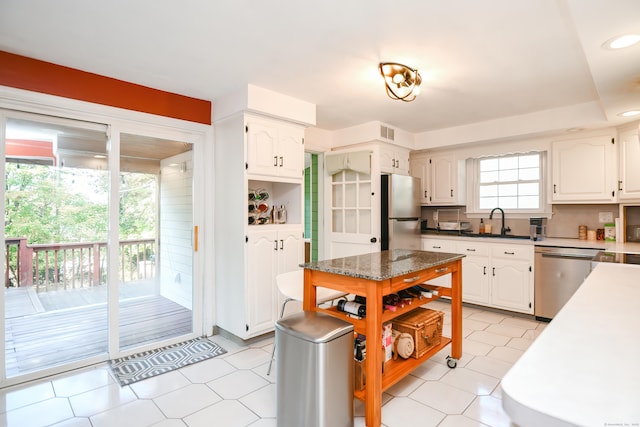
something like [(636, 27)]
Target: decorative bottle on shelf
[(352, 307), (481, 229)]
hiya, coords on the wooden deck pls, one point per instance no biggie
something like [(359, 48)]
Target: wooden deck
[(36, 338)]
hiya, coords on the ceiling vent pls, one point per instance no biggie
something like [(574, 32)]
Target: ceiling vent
[(387, 133)]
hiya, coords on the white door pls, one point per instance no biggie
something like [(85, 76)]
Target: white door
[(354, 214)]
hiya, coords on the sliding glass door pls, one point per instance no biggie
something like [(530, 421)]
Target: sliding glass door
[(55, 204), (99, 238), (156, 223)]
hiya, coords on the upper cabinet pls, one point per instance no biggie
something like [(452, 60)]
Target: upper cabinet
[(394, 159), (629, 182), (584, 170), (274, 149), (442, 177)]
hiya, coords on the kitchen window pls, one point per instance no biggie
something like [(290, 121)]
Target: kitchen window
[(513, 182)]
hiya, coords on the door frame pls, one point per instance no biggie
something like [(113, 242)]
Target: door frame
[(119, 120)]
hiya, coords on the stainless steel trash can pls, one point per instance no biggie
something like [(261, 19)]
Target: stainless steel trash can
[(314, 362)]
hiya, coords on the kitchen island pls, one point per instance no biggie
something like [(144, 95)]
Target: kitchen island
[(583, 368), (373, 276)]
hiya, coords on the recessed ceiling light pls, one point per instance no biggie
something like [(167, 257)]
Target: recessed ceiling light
[(620, 42), (630, 113)]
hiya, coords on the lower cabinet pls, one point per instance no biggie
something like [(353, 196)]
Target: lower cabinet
[(269, 253), (493, 274)]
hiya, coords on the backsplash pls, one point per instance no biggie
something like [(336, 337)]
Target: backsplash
[(563, 224)]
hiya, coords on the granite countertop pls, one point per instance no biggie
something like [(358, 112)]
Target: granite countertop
[(383, 265)]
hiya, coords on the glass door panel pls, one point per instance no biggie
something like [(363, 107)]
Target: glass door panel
[(155, 238), (56, 218)]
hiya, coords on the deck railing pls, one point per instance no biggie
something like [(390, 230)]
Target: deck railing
[(74, 265)]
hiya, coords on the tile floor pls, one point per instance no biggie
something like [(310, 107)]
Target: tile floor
[(234, 390)]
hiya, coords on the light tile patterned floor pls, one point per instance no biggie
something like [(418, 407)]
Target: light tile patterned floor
[(234, 390)]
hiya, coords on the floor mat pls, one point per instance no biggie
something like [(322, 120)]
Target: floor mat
[(140, 366)]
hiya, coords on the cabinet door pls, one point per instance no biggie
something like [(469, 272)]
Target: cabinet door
[(387, 160), (510, 285), (394, 160), (629, 185), (584, 170), (290, 152), (443, 179), (261, 290), (420, 169), (290, 250), (262, 141), (475, 272)]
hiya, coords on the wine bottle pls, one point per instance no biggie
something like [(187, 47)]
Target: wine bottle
[(352, 307)]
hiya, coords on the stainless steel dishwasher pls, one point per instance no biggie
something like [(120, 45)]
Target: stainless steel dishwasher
[(559, 272)]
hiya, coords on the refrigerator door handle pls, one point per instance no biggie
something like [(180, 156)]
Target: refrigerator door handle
[(405, 219)]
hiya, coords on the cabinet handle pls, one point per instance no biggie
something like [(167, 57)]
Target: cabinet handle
[(619, 185), (281, 244), (494, 272), (281, 162), (425, 194), (436, 247), (470, 250), (393, 163), (275, 245), (411, 279), (442, 270), (452, 193), (275, 161), (554, 189), (484, 271), (397, 163), (509, 253)]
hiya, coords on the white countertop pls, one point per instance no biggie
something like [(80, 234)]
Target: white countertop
[(584, 367), (551, 241)]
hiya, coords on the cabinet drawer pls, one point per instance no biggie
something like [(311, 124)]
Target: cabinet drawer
[(472, 249), (434, 245), (520, 252)]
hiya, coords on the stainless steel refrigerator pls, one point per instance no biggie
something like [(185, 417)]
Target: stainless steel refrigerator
[(400, 212)]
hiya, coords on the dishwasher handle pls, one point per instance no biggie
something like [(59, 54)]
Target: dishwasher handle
[(568, 256)]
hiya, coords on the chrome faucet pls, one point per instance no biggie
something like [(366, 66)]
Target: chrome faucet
[(503, 230)]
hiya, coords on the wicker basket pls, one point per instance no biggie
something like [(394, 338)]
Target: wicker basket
[(424, 325)]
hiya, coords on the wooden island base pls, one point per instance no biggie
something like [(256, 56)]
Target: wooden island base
[(373, 276)]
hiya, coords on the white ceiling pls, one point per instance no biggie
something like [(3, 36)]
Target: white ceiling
[(518, 66)]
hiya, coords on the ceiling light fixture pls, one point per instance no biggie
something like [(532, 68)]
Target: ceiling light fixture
[(401, 82), (630, 113), (620, 42)]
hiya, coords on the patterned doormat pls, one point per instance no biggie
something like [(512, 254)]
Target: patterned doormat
[(139, 366)]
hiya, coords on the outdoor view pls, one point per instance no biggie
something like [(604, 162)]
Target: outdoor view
[(57, 267)]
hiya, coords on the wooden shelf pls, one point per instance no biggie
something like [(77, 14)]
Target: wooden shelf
[(395, 370)]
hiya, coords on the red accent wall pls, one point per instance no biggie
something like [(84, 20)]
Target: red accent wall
[(45, 77)]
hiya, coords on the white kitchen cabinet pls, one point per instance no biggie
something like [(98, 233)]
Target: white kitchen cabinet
[(248, 257), (394, 159), (272, 252), (442, 176), (512, 277), (584, 170), (419, 168), (435, 245), (475, 272), (629, 182), (494, 275), (274, 148)]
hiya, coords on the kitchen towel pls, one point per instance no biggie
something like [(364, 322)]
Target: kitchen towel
[(403, 344)]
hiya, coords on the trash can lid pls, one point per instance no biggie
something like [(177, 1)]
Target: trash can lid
[(314, 326)]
